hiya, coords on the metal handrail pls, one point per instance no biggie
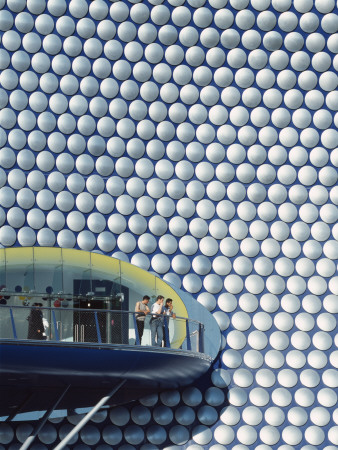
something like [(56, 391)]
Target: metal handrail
[(100, 326), (60, 308)]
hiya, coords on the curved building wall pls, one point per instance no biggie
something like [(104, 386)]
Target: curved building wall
[(195, 139)]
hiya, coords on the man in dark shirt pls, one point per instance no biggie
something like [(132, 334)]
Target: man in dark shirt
[(141, 308)]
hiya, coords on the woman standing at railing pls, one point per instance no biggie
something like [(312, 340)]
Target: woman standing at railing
[(36, 329), (167, 312)]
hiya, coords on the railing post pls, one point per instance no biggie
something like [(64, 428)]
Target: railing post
[(166, 331), (188, 334), (57, 337), (99, 340), (13, 324), (137, 336), (201, 338)]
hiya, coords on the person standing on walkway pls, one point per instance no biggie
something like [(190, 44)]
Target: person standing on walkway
[(142, 309), (167, 312), (156, 322)]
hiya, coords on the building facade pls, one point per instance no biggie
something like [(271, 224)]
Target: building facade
[(196, 140)]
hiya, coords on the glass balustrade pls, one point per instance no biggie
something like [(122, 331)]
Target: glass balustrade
[(95, 326), (86, 297)]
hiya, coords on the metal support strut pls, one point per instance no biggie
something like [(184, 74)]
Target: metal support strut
[(19, 408), (44, 419), (88, 416)]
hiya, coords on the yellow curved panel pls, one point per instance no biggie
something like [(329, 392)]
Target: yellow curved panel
[(2, 256), (19, 256), (106, 266), (2, 271), (76, 258), (46, 255)]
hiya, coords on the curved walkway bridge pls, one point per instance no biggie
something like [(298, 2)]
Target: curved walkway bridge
[(69, 336)]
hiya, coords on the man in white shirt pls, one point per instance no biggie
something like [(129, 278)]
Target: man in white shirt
[(156, 322)]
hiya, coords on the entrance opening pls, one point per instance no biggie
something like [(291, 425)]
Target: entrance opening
[(91, 296)]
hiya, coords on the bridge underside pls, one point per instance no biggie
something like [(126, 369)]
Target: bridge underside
[(33, 375)]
